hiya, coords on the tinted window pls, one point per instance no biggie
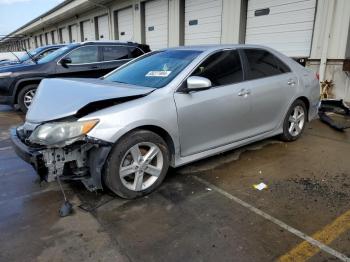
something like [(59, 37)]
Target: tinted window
[(135, 52), (221, 68), (263, 64), (56, 54), (86, 54), (154, 70), (115, 53), (43, 54)]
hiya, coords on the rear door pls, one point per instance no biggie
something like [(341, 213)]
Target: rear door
[(220, 115), (272, 85), (113, 56), (85, 63)]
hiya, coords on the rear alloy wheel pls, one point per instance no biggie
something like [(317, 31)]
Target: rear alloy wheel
[(137, 164), (294, 122), (25, 97)]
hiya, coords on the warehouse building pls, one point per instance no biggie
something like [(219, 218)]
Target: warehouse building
[(316, 32)]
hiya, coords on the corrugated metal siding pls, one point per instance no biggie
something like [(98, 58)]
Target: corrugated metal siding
[(203, 22), (288, 27)]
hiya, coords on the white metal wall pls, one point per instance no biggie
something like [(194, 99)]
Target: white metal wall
[(203, 22), (286, 25), (156, 23)]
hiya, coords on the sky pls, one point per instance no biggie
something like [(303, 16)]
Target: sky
[(15, 13)]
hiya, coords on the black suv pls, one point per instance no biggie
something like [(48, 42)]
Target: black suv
[(33, 55), (18, 83)]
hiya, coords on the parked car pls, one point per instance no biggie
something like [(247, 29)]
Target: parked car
[(32, 56), (18, 83), (169, 107)]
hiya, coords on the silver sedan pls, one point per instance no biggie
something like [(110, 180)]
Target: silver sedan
[(167, 108)]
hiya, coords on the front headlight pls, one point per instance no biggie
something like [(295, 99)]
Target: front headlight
[(61, 132), (5, 74)]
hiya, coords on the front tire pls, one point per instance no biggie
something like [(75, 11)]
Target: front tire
[(25, 97), (137, 164), (294, 122)]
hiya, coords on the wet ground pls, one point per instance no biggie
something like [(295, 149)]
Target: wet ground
[(206, 211)]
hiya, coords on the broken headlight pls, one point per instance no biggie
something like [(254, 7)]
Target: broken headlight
[(61, 132)]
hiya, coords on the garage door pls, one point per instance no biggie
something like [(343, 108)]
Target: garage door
[(125, 25), (285, 25), (64, 35), (87, 31), (73, 31), (48, 38), (103, 27), (203, 19), (156, 24)]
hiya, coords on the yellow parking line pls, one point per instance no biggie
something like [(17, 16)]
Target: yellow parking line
[(329, 233)]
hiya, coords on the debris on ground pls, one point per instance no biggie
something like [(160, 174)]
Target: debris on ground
[(335, 113), (260, 186)]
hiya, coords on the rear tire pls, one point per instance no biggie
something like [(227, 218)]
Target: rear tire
[(25, 97), (294, 121), (137, 164)]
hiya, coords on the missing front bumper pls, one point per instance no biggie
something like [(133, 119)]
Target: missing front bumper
[(82, 162)]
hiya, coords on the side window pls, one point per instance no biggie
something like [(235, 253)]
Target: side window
[(111, 53), (222, 68), (263, 64), (85, 54), (135, 52), (43, 54)]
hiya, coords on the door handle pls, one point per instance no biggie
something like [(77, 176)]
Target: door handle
[(244, 92), (291, 82)]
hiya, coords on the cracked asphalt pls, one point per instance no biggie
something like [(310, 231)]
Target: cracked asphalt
[(308, 188)]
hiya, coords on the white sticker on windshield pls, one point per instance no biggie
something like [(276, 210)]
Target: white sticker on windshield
[(158, 73)]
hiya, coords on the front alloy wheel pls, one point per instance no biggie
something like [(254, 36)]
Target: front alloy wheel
[(141, 166), (28, 97), (137, 164), (25, 97)]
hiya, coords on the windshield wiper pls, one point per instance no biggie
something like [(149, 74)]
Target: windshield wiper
[(15, 56), (30, 56)]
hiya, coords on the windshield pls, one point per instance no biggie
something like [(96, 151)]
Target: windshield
[(154, 70), (32, 53), (52, 56)]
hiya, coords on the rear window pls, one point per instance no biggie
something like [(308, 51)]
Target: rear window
[(262, 63), (135, 52), (111, 53)]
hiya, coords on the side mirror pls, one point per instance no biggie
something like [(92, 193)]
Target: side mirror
[(65, 61), (197, 83)]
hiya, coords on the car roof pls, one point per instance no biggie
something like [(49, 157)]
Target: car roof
[(110, 42), (215, 47)]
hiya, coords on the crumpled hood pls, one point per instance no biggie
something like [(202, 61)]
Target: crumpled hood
[(58, 98)]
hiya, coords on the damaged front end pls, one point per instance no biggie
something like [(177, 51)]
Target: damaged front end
[(67, 153)]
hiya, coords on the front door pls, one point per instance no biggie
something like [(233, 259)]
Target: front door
[(85, 63), (219, 115)]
